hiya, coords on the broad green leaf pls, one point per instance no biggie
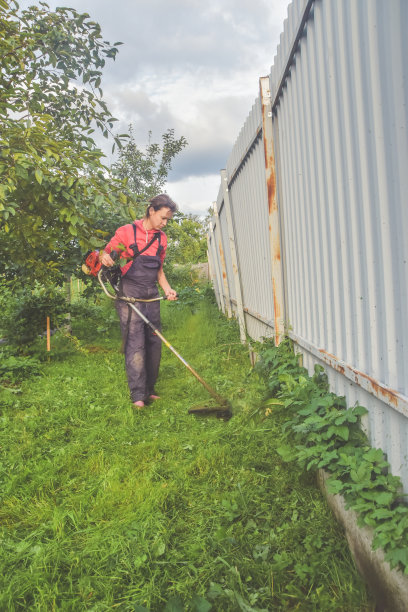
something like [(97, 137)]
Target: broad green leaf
[(243, 605), (132, 212), (174, 605), (374, 454), (334, 486), (359, 410), (384, 499), (96, 242), (398, 555), (286, 452), (199, 604), (39, 175), (340, 431)]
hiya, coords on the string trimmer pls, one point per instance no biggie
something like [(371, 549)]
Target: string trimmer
[(223, 409)]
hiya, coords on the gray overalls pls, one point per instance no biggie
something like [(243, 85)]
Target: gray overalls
[(142, 347)]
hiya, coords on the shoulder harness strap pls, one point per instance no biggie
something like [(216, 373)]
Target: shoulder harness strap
[(135, 248)]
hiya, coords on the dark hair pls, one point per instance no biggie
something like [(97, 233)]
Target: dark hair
[(161, 201)]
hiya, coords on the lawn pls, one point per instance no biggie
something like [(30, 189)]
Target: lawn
[(108, 508)]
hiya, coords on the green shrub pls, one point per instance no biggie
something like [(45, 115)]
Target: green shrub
[(25, 313), (180, 275), (90, 318), (193, 297)]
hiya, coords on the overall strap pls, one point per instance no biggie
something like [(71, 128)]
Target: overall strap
[(135, 248), (159, 248)]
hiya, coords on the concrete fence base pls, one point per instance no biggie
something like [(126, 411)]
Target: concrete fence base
[(388, 586)]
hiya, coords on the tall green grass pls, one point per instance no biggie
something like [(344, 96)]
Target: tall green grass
[(108, 508)]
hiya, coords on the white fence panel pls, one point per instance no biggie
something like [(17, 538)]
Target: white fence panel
[(339, 94)]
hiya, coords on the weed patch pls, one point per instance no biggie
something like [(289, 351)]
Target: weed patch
[(322, 432), (14, 368)]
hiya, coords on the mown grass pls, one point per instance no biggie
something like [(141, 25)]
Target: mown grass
[(106, 508)]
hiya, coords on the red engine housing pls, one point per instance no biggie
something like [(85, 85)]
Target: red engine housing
[(92, 264)]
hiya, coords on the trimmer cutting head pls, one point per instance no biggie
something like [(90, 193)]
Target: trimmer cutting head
[(221, 411)]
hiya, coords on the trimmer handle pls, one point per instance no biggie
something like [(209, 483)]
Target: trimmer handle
[(113, 255), (110, 274)]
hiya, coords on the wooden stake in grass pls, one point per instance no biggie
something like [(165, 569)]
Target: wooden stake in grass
[(48, 335)]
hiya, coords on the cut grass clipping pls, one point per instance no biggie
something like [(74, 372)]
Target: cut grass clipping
[(107, 508)]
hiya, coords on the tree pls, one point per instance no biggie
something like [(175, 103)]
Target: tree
[(52, 179), (146, 171), (187, 239)]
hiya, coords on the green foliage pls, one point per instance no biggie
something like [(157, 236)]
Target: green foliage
[(192, 298), (187, 239), (179, 276), (52, 180), (182, 275), (92, 318), (25, 313), (57, 198), (321, 432), (15, 368), (43, 54), (146, 171), (107, 508), (275, 363)]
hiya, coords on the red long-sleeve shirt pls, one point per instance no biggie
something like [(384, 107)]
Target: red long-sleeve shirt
[(124, 236)]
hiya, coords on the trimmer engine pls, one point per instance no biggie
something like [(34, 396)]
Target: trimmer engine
[(91, 265)]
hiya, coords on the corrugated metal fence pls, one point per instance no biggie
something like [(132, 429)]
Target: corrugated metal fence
[(308, 235)]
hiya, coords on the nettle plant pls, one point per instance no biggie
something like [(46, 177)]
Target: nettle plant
[(323, 433)]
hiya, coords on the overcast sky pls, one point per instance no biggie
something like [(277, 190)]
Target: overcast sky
[(191, 65)]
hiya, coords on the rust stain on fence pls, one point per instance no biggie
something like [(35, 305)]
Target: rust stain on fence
[(224, 273), (271, 183), (273, 211), (382, 392), (269, 163)]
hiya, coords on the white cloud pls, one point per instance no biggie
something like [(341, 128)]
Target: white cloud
[(194, 195)]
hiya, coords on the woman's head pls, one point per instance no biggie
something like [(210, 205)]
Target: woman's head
[(161, 208), (161, 201)]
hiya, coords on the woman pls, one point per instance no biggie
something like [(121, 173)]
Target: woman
[(144, 245)]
